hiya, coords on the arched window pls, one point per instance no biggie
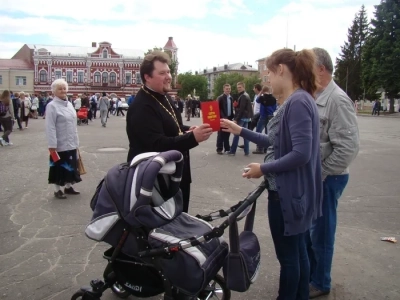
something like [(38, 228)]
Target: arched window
[(113, 77), (43, 76), (105, 53), (97, 77), (105, 77)]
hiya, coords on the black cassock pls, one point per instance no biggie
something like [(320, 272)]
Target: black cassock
[(151, 128)]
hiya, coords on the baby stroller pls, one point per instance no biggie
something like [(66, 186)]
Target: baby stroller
[(156, 248), (82, 116)]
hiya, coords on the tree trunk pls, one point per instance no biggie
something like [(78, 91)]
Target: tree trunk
[(391, 105)]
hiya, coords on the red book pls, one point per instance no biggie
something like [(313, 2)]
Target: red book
[(210, 112), (54, 156)]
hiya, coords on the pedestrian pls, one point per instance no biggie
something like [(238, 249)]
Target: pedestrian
[(62, 139), (243, 115), (25, 108), (292, 166), (104, 104), (6, 117), (17, 109), (154, 124), (267, 103), (34, 107), (188, 106), (339, 147), (225, 102)]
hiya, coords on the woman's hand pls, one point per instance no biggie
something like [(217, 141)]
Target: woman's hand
[(254, 172), (229, 126)]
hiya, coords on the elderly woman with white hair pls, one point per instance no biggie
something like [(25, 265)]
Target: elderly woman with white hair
[(62, 139)]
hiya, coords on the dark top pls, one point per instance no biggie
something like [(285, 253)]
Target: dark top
[(297, 162), (244, 109), (151, 129), (267, 105), (222, 101)]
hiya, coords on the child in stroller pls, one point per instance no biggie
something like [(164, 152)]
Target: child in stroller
[(156, 248), (82, 116)]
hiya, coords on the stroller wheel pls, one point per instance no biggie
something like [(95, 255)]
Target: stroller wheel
[(78, 295), (119, 290), (216, 289)]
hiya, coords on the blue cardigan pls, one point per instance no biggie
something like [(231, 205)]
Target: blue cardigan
[(297, 162)]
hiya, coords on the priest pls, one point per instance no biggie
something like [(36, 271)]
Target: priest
[(153, 124)]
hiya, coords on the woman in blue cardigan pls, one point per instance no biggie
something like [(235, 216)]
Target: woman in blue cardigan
[(291, 167)]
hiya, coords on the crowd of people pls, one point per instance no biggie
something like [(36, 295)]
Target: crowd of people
[(310, 139)]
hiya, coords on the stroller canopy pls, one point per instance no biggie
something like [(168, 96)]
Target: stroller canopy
[(144, 193)]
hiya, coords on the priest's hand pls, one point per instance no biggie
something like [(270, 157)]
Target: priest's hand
[(229, 126), (202, 132), (192, 128), (254, 172)]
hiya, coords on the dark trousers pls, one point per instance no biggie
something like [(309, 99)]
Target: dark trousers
[(119, 110), (94, 112), (291, 253), (7, 127), (223, 141), (16, 116), (185, 188)]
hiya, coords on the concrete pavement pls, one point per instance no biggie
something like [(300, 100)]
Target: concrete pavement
[(45, 255)]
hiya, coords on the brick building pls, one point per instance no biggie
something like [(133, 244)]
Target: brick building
[(100, 68), (262, 69)]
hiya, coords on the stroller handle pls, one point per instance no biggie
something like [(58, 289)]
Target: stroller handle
[(215, 232)]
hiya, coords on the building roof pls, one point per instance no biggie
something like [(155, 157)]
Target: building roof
[(264, 58), (231, 67), (83, 51), (170, 44), (15, 64)]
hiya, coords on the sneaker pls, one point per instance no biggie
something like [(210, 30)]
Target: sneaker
[(71, 191), (9, 144), (246, 154), (241, 146), (220, 152), (231, 153), (314, 292), (2, 142), (60, 195)]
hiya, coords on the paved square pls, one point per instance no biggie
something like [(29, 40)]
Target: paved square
[(44, 253)]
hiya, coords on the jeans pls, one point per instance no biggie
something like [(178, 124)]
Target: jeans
[(322, 233), (235, 140), (292, 255)]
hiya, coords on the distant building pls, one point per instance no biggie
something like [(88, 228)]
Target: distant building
[(212, 74), (16, 75), (99, 68), (262, 69)]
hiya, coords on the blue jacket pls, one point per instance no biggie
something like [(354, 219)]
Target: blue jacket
[(131, 99), (297, 162)]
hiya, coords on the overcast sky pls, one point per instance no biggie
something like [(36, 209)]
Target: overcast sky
[(207, 32)]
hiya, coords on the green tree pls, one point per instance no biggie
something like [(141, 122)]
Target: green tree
[(190, 82), (348, 67), (381, 59), (231, 78), (173, 66), (250, 81)]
